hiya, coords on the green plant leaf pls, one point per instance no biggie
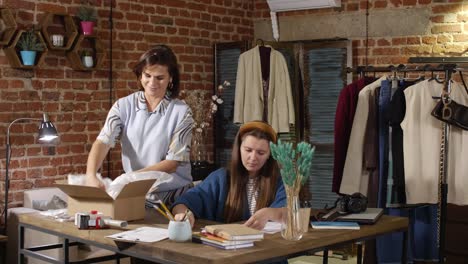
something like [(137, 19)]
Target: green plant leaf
[(29, 40)]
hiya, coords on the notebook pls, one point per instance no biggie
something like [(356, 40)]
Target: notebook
[(234, 232)]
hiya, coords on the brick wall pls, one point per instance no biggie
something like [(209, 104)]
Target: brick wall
[(77, 101)]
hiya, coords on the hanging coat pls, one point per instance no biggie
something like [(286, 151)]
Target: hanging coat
[(249, 104)]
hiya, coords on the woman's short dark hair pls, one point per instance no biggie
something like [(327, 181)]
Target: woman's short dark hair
[(160, 55)]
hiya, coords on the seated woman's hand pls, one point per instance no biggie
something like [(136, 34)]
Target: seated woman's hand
[(262, 216), (181, 211), (259, 219)]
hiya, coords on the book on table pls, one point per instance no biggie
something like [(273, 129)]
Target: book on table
[(335, 225), (212, 240), (234, 232), (238, 246)]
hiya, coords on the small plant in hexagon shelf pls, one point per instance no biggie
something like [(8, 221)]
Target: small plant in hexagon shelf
[(30, 41), (29, 44), (88, 17), (87, 58)]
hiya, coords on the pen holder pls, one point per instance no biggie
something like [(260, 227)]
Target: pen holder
[(180, 231)]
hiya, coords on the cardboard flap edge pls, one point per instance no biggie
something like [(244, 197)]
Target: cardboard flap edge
[(81, 191), (136, 188)]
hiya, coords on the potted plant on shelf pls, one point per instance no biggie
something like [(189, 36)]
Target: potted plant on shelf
[(88, 17), (87, 58), (29, 44)]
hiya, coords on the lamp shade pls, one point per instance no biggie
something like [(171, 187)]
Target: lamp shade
[(47, 130)]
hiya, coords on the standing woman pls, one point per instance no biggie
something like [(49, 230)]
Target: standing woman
[(251, 190), (153, 126)]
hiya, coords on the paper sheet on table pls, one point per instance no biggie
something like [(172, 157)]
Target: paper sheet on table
[(142, 234), (272, 227)]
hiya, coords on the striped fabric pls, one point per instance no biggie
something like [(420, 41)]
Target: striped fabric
[(252, 194), (168, 198)]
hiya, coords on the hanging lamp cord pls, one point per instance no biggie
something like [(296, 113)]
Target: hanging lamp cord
[(111, 84)]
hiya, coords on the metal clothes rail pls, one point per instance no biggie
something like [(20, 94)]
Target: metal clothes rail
[(448, 65)]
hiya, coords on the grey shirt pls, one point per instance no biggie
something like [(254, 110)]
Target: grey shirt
[(150, 137)]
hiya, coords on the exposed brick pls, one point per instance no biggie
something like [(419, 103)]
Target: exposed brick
[(413, 40), (383, 42), (429, 39), (380, 4), (399, 41), (444, 39), (424, 2), (460, 37), (409, 2), (448, 48), (396, 3), (447, 8), (416, 50), (454, 28)]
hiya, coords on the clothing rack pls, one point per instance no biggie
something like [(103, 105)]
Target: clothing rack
[(448, 65), (406, 68)]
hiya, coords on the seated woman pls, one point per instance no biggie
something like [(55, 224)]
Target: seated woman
[(250, 190)]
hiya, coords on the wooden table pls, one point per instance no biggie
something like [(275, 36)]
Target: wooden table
[(273, 247)]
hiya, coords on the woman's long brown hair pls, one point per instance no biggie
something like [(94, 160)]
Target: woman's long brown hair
[(266, 180)]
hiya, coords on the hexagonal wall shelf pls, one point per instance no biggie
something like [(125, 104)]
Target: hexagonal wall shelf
[(13, 56), (7, 26), (54, 25), (86, 43)]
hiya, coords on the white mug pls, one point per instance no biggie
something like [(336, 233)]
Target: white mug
[(180, 231), (57, 40)]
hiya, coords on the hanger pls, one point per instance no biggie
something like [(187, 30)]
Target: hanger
[(436, 78), (262, 43)]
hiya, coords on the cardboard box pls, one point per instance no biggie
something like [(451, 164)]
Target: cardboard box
[(128, 205)]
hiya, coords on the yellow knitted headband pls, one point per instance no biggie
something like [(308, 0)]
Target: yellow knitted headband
[(249, 126)]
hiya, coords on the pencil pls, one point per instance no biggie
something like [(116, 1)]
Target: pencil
[(161, 212), (169, 214), (188, 213)]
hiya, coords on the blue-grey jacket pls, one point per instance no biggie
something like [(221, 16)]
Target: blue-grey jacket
[(207, 199)]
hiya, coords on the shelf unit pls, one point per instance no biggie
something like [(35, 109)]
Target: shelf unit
[(86, 43), (58, 23), (13, 56), (9, 26)]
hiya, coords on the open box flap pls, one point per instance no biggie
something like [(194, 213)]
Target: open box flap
[(81, 191), (136, 188)]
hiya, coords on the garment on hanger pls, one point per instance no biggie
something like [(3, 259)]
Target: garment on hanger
[(421, 146), (371, 148), (265, 65), (249, 101), (344, 116), (396, 195), (355, 176)]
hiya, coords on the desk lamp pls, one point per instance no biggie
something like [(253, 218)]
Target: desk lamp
[(47, 133)]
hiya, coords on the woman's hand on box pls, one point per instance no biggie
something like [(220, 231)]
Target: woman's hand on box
[(92, 180)]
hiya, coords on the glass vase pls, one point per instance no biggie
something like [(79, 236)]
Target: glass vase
[(198, 147), (291, 228)]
